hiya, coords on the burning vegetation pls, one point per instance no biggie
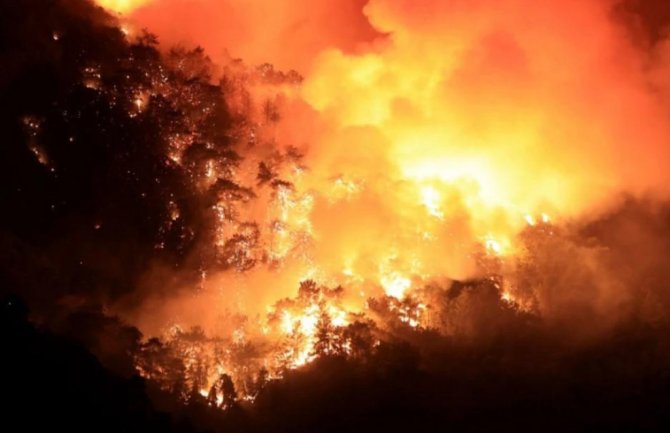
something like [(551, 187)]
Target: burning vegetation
[(471, 196)]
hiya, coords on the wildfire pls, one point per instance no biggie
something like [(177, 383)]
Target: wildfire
[(422, 160)]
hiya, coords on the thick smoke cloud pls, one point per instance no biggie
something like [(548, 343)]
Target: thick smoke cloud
[(433, 128), (288, 34)]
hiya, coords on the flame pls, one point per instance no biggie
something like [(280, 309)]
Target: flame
[(395, 284)]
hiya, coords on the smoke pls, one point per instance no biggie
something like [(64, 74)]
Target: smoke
[(433, 135), (475, 121), (287, 34)]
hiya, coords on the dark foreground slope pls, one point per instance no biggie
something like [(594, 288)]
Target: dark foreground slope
[(52, 384), (521, 384)]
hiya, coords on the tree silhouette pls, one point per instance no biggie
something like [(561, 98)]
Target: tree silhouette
[(329, 339), (228, 392), (157, 361), (359, 335), (262, 379)]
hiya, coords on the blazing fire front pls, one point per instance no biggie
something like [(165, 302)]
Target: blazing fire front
[(456, 146)]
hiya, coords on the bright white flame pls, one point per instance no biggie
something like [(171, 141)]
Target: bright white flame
[(493, 246), (395, 284), (530, 219), (430, 197)]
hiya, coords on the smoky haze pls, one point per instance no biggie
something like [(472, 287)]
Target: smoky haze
[(450, 126)]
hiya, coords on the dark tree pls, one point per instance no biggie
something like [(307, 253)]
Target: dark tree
[(228, 392)]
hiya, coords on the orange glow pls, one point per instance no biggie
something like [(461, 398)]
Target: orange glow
[(428, 143), (122, 6)]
